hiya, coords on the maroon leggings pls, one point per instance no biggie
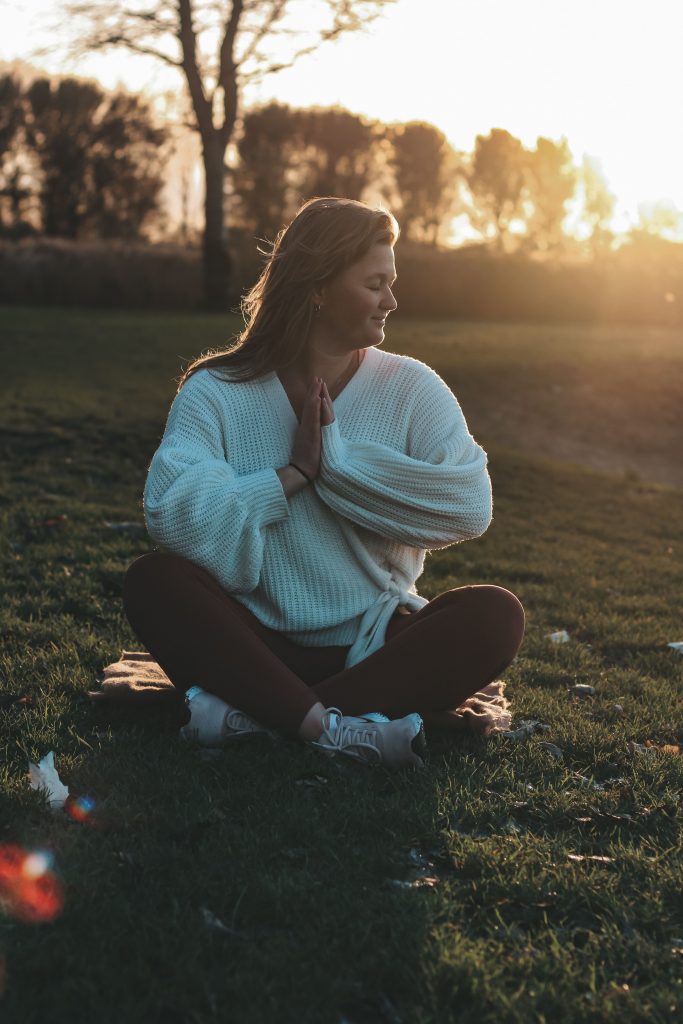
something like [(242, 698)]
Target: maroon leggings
[(432, 660)]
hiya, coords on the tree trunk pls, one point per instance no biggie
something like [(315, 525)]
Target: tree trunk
[(216, 258)]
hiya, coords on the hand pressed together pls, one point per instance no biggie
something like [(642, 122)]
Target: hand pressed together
[(318, 412)]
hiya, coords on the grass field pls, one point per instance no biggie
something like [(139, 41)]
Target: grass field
[(260, 886)]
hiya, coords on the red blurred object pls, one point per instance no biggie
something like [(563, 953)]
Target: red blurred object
[(29, 891)]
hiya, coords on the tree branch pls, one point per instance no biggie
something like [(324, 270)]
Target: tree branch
[(188, 42), (120, 39), (276, 12), (345, 18), (227, 70)]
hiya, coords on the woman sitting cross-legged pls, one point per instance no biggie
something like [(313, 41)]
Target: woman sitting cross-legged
[(301, 478)]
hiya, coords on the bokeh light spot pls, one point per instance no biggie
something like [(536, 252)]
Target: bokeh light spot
[(80, 808), (29, 891)]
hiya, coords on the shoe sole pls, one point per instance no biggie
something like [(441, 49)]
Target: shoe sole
[(418, 745)]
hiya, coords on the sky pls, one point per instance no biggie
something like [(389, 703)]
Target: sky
[(607, 75)]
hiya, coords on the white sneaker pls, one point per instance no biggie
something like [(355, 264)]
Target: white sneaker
[(375, 716), (213, 722), (395, 744)]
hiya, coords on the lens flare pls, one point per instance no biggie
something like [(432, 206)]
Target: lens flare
[(29, 891), (80, 808)]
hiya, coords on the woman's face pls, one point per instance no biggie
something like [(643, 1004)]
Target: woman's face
[(355, 304)]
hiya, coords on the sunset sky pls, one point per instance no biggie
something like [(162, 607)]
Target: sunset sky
[(605, 74)]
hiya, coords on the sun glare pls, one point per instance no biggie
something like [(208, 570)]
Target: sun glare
[(600, 75)]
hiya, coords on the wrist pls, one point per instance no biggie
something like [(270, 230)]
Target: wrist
[(302, 472)]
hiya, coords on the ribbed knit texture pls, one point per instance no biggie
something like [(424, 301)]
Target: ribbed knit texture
[(400, 474)]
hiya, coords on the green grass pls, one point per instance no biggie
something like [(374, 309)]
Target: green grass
[(299, 870)]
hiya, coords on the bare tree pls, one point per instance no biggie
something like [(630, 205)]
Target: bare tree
[(219, 46)]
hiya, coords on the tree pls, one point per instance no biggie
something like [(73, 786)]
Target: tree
[(598, 207), (13, 191), (99, 158), (424, 167), (497, 180), (288, 155), (660, 219), (551, 182), (261, 182), (218, 47), (126, 160), (336, 152)]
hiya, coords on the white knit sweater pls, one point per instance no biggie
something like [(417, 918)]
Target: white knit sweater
[(399, 474)]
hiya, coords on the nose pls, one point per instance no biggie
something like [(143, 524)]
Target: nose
[(389, 302)]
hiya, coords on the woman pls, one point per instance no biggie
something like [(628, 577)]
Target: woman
[(301, 478)]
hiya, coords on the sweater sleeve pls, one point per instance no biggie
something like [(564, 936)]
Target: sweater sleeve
[(196, 505), (436, 494)]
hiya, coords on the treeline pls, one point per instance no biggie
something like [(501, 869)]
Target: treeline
[(82, 173), (517, 198), (76, 162)]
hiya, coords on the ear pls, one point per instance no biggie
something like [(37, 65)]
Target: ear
[(319, 294)]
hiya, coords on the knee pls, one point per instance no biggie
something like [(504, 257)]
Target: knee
[(497, 611), (506, 609), (148, 573)]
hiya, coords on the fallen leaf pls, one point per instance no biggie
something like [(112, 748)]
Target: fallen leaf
[(560, 637), (213, 922), (511, 828), (418, 859), (44, 776), (640, 748), (582, 690), (590, 856), (584, 781), (132, 529), (527, 727), (311, 779), (553, 750), (653, 748), (423, 882)]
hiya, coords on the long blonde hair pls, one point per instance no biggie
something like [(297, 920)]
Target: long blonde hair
[(325, 237)]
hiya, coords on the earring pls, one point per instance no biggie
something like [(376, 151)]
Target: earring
[(316, 308)]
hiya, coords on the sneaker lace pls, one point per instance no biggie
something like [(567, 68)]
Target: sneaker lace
[(349, 733)]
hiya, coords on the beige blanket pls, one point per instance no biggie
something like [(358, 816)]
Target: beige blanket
[(137, 678)]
